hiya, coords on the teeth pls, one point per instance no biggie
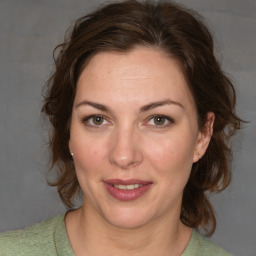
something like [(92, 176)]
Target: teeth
[(127, 187), (137, 185)]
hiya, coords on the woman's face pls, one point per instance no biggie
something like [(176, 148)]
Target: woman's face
[(134, 136)]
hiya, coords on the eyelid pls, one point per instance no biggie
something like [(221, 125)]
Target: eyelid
[(169, 119), (85, 119)]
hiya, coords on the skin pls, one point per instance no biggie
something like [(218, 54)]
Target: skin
[(128, 143)]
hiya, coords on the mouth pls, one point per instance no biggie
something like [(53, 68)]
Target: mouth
[(127, 187), (127, 190)]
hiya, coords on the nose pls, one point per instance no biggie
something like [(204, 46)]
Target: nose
[(125, 151)]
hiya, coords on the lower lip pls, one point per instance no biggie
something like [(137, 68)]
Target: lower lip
[(127, 195)]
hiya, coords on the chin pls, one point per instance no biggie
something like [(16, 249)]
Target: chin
[(127, 219)]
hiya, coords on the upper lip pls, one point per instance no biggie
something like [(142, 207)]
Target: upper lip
[(126, 182)]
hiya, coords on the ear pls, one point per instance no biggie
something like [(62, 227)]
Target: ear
[(70, 148), (204, 137)]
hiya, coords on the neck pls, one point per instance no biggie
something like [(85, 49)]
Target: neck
[(160, 237)]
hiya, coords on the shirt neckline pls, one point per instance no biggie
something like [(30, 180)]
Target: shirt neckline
[(62, 243), (63, 246)]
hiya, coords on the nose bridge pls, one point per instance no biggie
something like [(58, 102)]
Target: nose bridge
[(125, 151)]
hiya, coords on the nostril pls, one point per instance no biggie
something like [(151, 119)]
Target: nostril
[(125, 152), (126, 162)]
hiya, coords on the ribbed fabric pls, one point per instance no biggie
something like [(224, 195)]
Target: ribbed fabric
[(50, 238)]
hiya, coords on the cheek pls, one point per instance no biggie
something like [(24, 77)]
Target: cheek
[(89, 155), (173, 153), (88, 161)]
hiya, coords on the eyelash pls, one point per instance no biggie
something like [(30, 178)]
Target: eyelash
[(86, 119), (170, 121), (167, 118)]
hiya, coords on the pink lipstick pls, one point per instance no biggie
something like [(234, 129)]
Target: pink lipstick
[(127, 190)]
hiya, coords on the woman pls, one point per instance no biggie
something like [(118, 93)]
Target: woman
[(142, 115)]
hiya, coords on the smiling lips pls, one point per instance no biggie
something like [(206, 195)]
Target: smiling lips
[(127, 187), (127, 190)]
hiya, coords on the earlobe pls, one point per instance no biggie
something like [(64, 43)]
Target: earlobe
[(70, 149), (204, 137), (69, 145)]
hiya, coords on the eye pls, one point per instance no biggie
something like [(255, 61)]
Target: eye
[(97, 120), (161, 121), (94, 120)]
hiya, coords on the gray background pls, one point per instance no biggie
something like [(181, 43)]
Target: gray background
[(29, 32)]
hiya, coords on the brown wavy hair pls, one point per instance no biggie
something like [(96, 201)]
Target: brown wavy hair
[(181, 34)]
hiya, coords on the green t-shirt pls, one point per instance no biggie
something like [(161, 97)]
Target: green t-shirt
[(50, 238)]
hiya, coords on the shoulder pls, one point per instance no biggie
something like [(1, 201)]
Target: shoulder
[(201, 246), (35, 240)]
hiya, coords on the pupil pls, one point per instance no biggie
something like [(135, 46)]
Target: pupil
[(159, 120), (97, 120)]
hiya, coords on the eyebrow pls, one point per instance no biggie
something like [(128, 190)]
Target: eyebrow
[(142, 109), (159, 104), (94, 104)]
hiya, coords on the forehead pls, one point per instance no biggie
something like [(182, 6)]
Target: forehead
[(142, 74)]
